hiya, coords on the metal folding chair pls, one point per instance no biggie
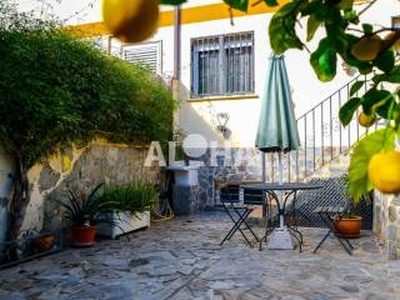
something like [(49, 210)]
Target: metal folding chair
[(237, 212), (329, 215)]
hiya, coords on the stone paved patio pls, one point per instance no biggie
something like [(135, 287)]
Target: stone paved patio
[(182, 259)]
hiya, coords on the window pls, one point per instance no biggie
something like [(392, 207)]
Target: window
[(223, 65), (396, 22), (147, 54)]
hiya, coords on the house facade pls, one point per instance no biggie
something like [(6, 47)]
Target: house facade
[(221, 66), (216, 66)]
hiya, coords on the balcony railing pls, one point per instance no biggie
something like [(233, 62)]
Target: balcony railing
[(322, 137)]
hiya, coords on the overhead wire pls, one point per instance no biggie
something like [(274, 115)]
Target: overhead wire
[(80, 12), (48, 5)]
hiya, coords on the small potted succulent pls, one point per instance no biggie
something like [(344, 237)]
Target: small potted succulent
[(84, 212)]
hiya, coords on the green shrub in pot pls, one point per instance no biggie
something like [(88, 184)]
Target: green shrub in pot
[(136, 197), (133, 211), (84, 211)]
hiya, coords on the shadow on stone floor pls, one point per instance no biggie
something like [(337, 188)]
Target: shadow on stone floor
[(182, 259)]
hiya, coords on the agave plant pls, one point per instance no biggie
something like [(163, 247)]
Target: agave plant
[(90, 209)]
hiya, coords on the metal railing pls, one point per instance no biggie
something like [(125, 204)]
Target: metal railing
[(322, 137)]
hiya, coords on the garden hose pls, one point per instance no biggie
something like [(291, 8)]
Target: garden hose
[(161, 210)]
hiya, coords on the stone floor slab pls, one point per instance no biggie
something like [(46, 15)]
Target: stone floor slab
[(182, 259)]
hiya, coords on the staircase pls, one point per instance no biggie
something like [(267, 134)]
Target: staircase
[(324, 143), (322, 138)]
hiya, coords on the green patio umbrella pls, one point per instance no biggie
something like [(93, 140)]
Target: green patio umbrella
[(277, 128)]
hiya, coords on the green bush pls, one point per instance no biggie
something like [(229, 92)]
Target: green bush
[(56, 90)]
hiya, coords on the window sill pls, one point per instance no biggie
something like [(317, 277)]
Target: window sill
[(223, 98)]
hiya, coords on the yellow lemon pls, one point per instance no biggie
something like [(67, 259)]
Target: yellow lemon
[(367, 48), (366, 120), (131, 21), (384, 171)]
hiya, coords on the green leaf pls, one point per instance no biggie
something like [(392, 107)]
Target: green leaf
[(323, 61), (385, 61), (282, 30), (172, 2), (345, 4), (329, 15), (351, 16), (382, 77), (348, 109), (337, 38), (367, 28), (374, 98), (238, 4), (310, 8), (312, 26), (356, 87), (386, 109), (393, 76), (359, 183), (271, 3)]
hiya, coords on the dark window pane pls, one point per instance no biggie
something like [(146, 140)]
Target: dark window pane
[(223, 73)]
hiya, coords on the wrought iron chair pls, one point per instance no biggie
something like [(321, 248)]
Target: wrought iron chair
[(237, 211), (329, 215), (333, 202)]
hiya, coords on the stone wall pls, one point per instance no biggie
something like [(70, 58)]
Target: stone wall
[(81, 169), (246, 164), (387, 223)]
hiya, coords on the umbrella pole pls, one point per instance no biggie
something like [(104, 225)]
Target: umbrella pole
[(280, 170), (263, 163), (280, 238)]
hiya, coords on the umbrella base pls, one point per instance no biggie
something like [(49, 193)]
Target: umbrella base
[(281, 239)]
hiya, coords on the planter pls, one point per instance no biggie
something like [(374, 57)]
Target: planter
[(44, 243), (124, 224), (83, 236), (348, 227)]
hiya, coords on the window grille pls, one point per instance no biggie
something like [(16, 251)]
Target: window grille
[(147, 54), (223, 65)]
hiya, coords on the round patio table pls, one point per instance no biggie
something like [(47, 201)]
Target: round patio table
[(290, 190)]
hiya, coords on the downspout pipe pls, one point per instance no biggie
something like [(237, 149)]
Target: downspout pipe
[(177, 43), (176, 77)]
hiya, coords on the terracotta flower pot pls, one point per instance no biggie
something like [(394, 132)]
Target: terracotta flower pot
[(44, 243), (349, 227), (83, 236)]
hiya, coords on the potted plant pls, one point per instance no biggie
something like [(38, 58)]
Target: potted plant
[(84, 212), (134, 202), (44, 242), (350, 223)]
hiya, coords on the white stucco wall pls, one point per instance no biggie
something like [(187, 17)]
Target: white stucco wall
[(200, 117)]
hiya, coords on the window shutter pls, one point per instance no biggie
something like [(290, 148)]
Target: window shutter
[(148, 54)]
